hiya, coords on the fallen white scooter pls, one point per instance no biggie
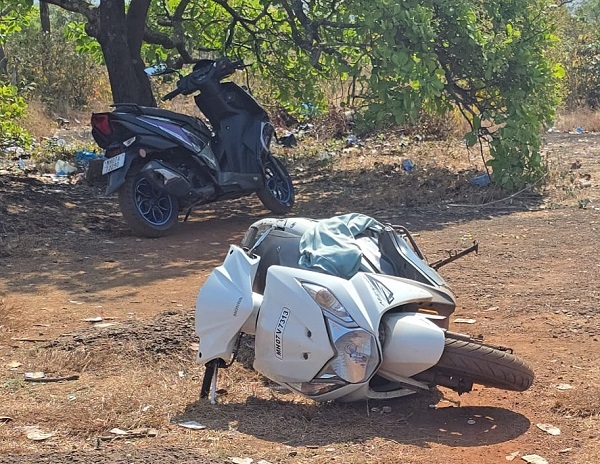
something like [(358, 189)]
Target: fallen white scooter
[(369, 336)]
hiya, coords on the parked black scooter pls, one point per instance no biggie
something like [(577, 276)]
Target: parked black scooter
[(161, 162)]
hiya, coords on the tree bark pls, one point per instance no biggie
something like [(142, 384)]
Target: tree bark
[(3, 63), (123, 59), (136, 22), (45, 17)]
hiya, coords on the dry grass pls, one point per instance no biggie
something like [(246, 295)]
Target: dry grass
[(586, 119), (584, 400), (122, 387), (4, 312), (582, 404)]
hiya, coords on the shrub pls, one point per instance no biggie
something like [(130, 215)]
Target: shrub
[(52, 69), (12, 107)]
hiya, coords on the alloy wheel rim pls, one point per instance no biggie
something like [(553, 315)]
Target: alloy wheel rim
[(153, 205)]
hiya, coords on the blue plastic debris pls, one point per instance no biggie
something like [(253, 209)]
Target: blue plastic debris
[(481, 180), (86, 156), (408, 165)]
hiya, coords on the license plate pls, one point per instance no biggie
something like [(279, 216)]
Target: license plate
[(113, 164)]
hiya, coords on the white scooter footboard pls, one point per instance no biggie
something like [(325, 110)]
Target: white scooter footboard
[(412, 344)]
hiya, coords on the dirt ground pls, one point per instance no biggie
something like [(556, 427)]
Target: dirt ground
[(66, 256)]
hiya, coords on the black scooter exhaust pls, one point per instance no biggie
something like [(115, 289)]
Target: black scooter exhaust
[(164, 177)]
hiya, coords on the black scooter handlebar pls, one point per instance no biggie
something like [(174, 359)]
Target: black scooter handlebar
[(171, 94), (190, 83)]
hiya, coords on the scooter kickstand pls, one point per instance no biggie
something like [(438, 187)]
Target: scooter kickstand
[(209, 382), (213, 386)]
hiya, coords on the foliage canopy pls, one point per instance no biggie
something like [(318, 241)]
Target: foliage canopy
[(390, 60), (393, 60)]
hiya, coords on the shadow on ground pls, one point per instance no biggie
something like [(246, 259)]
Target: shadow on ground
[(411, 421)]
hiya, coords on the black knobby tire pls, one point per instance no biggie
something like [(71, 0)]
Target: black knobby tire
[(464, 362), (148, 211), (278, 193)]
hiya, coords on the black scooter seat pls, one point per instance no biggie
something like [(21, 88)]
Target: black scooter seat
[(183, 119)]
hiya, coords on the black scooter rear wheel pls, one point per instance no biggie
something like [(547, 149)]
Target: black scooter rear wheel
[(148, 211), (278, 192)]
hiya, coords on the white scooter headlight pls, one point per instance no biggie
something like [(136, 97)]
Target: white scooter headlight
[(357, 355)]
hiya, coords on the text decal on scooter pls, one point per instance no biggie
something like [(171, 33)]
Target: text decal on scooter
[(285, 314)]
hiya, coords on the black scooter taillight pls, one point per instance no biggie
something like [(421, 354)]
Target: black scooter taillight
[(101, 122)]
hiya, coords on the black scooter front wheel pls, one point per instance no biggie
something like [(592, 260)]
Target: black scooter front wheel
[(466, 361), (278, 193), (147, 210)]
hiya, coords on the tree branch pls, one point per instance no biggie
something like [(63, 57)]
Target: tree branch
[(78, 6)]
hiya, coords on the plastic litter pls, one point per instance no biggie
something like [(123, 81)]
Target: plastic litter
[(288, 140), (534, 459), (35, 434), (351, 140), (564, 386), (464, 320), (63, 168), (194, 425), (408, 165), (481, 180), (549, 428), (83, 157)]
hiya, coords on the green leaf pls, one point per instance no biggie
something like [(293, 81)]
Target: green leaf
[(470, 139)]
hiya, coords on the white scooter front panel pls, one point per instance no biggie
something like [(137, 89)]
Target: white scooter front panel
[(292, 343), (225, 304), (298, 343)]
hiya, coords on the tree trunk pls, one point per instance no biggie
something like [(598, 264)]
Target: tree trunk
[(45, 17), (113, 29), (3, 63), (136, 21)]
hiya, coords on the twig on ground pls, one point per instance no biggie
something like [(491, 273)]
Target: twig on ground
[(482, 205), (51, 379)]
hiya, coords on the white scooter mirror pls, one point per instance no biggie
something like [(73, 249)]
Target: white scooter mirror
[(157, 69)]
